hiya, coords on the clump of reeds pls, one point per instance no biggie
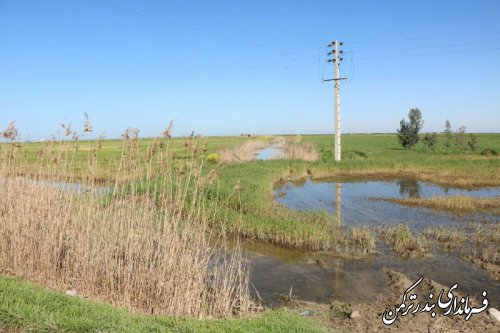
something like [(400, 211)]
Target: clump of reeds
[(294, 150), (401, 240), (243, 152), (451, 238), (356, 241), (479, 244), (456, 203), (139, 240)]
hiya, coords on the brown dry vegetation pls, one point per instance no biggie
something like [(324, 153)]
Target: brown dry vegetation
[(480, 244), (243, 152), (401, 240), (462, 204), (145, 245), (291, 148), (294, 150)]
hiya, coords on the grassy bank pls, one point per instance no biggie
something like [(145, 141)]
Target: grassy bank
[(28, 308)]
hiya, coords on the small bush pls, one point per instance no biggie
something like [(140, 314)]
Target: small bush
[(354, 154), (430, 141), (341, 310), (472, 142), (460, 139), (489, 152), (213, 157), (448, 134)]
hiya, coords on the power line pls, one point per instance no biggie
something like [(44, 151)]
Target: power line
[(428, 47), (426, 38), (180, 25), (258, 21), (208, 19), (429, 54)]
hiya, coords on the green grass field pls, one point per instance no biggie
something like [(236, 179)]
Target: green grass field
[(28, 308)]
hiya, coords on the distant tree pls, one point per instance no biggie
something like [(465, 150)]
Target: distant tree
[(430, 141), (472, 142), (448, 134), (460, 139), (408, 131)]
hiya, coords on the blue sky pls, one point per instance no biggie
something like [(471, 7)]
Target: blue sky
[(227, 67)]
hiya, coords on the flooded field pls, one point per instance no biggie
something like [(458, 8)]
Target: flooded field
[(321, 277), (356, 202), (277, 271)]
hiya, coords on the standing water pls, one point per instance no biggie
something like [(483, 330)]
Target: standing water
[(278, 271)]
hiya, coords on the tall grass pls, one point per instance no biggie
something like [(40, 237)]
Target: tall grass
[(243, 152), (455, 203), (295, 150), (401, 240), (139, 239)]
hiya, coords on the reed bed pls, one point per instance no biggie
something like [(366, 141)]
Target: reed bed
[(456, 203), (479, 244), (295, 150), (401, 240), (243, 152), (139, 240)]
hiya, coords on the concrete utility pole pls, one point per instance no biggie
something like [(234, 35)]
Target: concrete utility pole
[(336, 63)]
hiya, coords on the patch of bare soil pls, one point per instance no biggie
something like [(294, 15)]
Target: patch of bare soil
[(367, 317)]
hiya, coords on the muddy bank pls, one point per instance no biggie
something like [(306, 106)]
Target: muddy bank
[(320, 277), (367, 316)]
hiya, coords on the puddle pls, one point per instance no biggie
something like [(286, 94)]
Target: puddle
[(65, 186), (353, 204), (272, 152), (276, 270), (77, 187)]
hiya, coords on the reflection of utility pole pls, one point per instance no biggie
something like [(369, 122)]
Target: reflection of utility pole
[(336, 62), (338, 188)]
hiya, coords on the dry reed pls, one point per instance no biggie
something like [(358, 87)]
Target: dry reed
[(243, 152), (401, 240), (141, 241), (294, 150), (456, 203)]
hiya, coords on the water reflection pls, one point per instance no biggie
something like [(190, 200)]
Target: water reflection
[(410, 188), (320, 277), (338, 210), (354, 203)]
